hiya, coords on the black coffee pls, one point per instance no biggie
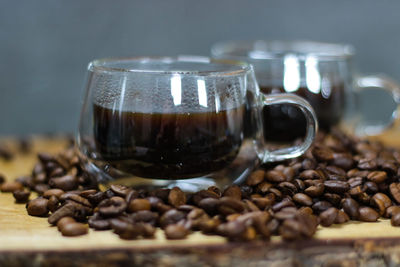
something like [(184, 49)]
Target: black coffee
[(168, 145), (286, 123)]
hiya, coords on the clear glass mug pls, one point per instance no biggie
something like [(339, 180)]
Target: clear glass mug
[(177, 122), (322, 73)]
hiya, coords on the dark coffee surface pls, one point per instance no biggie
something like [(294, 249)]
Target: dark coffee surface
[(286, 122), (168, 145)]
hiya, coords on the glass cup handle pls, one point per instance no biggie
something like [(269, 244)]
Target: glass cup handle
[(312, 126), (382, 82)]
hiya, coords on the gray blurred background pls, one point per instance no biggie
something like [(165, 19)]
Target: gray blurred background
[(45, 45)]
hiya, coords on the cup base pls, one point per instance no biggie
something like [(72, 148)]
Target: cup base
[(235, 173)]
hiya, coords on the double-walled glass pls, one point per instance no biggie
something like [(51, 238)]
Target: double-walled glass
[(188, 121), (322, 73)]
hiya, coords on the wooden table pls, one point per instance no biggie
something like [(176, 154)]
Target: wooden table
[(26, 240)]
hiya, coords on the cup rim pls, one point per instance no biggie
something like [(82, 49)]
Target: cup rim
[(102, 65), (277, 49)]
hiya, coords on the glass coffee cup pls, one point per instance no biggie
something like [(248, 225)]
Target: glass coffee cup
[(164, 122), (322, 73)]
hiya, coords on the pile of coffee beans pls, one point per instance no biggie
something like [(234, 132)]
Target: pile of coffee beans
[(340, 178)]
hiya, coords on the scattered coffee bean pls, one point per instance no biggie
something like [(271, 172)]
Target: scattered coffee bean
[(176, 197), (37, 207), (21, 196), (395, 220), (256, 177), (175, 231), (74, 229), (11, 187), (139, 204), (367, 214), (328, 217)]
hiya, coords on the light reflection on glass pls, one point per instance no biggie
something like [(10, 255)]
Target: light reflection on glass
[(201, 91), (326, 88), (313, 78), (291, 75), (176, 89)]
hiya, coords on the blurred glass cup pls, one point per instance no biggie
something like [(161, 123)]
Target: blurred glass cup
[(323, 74), (178, 122)]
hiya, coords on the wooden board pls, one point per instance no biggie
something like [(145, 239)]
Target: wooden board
[(24, 239)]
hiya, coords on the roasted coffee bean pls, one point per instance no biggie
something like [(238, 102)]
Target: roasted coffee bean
[(283, 204), (96, 198), (322, 153), (197, 197), (53, 192), (342, 217), (229, 205), (67, 210), (175, 231), (66, 183), (377, 176), (215, 189), (278, 194), (378, 205), (286, 213), (232, 230), (302, 199), (275, 176), (370, 187), (255, 177), (2, 179), (99, 224), (321, 206), (328, 217), (384, 198), (343, 160), (308, 164), (41, 188), (395, 220), (299, 184), (338, 187), (120, 190), (334, 199), (139, 204), (112, 207), (367, 164), (78, 199), (335, 170), (233, 191), (262, 202), (64, 221), (350, 206), (395, 191), (26, 181), (287, 188), (53, 204), (21, 196), (172, 216), (209, 205), (246, 191), (209, 226), (176, 197), (37, 207), (11, 187), (87, 193), (315, 190), (74, 229), (250, 206), (390, 211), (310, 175), (367, 214)]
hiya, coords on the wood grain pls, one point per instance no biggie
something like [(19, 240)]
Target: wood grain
[(23, 238)]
